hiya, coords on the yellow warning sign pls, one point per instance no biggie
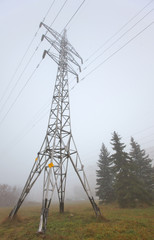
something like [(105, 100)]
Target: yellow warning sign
[(50, 165)]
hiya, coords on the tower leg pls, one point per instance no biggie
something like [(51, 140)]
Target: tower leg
[(44, 216), (79, 169), (48, 189), (61, 207)]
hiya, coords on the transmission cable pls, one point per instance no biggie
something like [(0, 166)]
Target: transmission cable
[(57, 14), (118, 39), (74, 14), (18, 80), (48, 10), (113, 44), (131, 19), (136, 133), (6, 89), (30, 59), (64, 28), (31, 127), (117, 50), (20, 92), (35, 68), (113, 54), (35, 71)]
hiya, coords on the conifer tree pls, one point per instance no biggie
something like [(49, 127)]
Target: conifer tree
[(127, 186), (104, 189), (143, 169)]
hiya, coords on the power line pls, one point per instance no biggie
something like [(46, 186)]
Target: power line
[(49, 10), (36, 67), (109, 39), (18, 80), (134, 37), (114, 43), (20, 93), (33, 125), (139, 33), (30, 59), (74, 14), (30, 125), (115, 51), (57, 14), (6, 89), (144, 130), (118, 39)]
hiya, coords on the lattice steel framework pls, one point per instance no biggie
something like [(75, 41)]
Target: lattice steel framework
[(58, 147)]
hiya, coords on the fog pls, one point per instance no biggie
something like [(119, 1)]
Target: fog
[(117, 96)]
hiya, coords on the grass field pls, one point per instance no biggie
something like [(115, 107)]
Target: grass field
[(79, 223)]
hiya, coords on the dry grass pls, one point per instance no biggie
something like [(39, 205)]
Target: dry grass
[(79, 223)]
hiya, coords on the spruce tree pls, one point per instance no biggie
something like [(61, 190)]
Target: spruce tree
[(104, 189), (120, 158), (143, 170), (126, 185), (153, 183)]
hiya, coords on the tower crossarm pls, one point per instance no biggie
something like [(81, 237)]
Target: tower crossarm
[(59, 37), (56, 59), (73, 51), (55, 34), (52, 55), (56, 45), (72, 59), (53, 43), (60, 43)]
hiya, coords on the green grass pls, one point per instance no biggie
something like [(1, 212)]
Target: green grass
[(79, 223)]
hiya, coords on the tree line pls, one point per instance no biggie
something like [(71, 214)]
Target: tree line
[(127, 178), (8, 195)]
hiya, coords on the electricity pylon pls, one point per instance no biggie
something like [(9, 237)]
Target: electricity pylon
[(58, 147)]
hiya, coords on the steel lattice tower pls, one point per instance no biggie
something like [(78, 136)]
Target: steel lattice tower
[(58, 147)]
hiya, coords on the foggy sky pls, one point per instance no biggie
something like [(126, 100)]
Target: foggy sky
[(118, 96)]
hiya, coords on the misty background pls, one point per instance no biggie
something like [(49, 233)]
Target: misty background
[(117, 96)]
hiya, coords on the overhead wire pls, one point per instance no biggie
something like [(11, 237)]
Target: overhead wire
[(57, 14), (20, 92), (144, 130), (110, 56), (124, 33), (119, 38), (99, 65), (85, 68), (21, 61), (35, 71), (37, 65), (28, 129), (119, 49), (33, 125), (116, 51), (75, 14), (116, 33), (16, 83), (71, 18), (49, 10), (30, 59)]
